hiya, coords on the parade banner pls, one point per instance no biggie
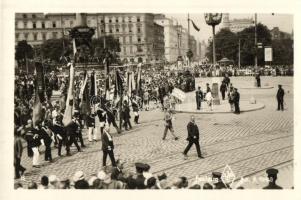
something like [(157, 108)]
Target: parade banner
[(37, 110), (69, 103), (179, 94), (129, 83), (133, 81)]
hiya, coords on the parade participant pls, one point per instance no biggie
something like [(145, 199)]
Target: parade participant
[(79, 129), (236, 98), (231, 97), (18, 150), (146, 99), (102, 118), (168, 124), (279, 96), (60, 134), (193, 137), (226, 80), (110, 117), (46, 135), (33, 142), (107, 147), (272, 175), (126, 115), (90, 122), (199, 98), (223, 89), (135, 110), (72, 134)]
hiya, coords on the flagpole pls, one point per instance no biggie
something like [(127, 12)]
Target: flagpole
[(188, 20)]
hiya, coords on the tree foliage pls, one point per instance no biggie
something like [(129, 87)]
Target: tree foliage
[(283, 52), (23, 51), (54, 49)]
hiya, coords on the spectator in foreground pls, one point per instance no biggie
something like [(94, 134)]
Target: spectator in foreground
[(272, 175)]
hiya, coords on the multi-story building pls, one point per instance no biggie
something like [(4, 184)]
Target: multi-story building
[(279, 35), (139, 38), (236, 25)]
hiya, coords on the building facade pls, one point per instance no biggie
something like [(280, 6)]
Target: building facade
[(139, 37), (236, 25), (280, 35)]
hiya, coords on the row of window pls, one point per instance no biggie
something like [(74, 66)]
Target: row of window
[(54, 35), (117, 30), (34, 24), (138, 49)]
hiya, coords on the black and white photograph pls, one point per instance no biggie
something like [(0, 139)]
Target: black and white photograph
[(152, 100)]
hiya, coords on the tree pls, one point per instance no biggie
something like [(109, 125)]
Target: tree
[(283, 52), (247, 45), (226, 45), (54, 49), (23, 51)]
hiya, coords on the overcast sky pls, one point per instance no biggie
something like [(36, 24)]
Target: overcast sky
[(283, 21)]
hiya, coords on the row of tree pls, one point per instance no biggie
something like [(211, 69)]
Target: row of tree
[(55, 49), (227, 45)]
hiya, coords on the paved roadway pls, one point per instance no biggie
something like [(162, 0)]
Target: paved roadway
[(249, 143)]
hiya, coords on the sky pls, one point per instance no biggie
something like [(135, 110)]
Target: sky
[(283, 21)]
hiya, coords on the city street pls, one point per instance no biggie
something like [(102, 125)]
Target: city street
[(249, 143)]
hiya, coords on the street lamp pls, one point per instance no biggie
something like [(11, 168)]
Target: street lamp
[(213, 19)]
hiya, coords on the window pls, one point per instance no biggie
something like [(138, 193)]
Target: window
[(139, 39), (17, 36), (25, 24), (117, 30), (89, 22), (124, 50), (130, 29), (26, 36), (102, 21), (111, 31), (130, 39), (24, 16), (123, 20), (110, 21), (102, 30), (138, 19), (131, 49), (35, 36), (71, 23), (44, 36), (34, 16), (139, 49), (43, 24), (116, 21), (130, 19), (34, 25), (53, 25), (138, 30)]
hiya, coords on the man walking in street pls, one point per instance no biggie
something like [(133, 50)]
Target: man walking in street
[(90, 122), (168, 124), (193, 137), (72, 133), (107, 147), (280, 95), (198, 97), (236, 98)]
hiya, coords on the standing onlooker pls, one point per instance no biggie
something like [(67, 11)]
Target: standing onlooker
[(18, 150), (236, 98), (223, 89), (209, 100), (272, 175), (280, 95), (168, 124), (193, 137), (198, 98), (231, 97), (107, 147), (258, 81)]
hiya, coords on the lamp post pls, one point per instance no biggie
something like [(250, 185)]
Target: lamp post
[(213, 19)]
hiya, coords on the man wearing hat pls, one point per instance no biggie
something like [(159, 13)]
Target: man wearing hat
[(193, 137), (107, 147), (198, 98), (60, 133), (18, 149), (217, 181), (236, 98), (279, 96), (168, 124), (272, 175), (90, 122), (71, 130), (126, 115)]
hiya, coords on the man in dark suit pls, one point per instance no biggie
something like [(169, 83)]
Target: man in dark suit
[(272, 175), (60, 133), (140, 179), (280, 95), (198, 97), (217, 181), (107, 147), (126, 115), (72, 132), (193, 137), (236, 98)]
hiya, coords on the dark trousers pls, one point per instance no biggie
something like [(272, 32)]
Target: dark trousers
[(111, 155), (223, 94), (136, 119), (72, 140), (197, 145), (80, 137), (127, 123), (236, 106), (60, 144), (280, 104), (18, 167), (198, 104), (258, 83), (48, 152)]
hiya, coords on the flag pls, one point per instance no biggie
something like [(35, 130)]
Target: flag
[(133, 81), (92, 87), (118, 84), (107, 88), (40, 85), (194, 26), (129, 83), (37, 110), (69, 103), (84, 96), (138, 78)]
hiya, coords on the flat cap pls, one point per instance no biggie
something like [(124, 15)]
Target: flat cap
[(272, 171)]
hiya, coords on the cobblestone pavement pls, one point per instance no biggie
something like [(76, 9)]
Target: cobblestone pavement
[(249, 143)]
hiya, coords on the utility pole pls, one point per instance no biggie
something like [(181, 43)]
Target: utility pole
[(255, 40), (104, 32), (62, 33), (239, 53)]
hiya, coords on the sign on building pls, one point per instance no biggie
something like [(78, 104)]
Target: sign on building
[(179, 94), (268, 54)]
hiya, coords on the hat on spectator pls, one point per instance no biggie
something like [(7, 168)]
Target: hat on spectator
[(101, 175), (140, 167), (216, 175), (79, 175), (272, 172)]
